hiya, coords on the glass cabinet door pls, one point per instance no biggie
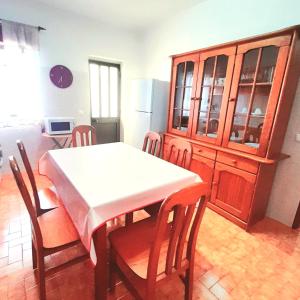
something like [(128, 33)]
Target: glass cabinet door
[(214, 78), (255, 92), (182, 91)]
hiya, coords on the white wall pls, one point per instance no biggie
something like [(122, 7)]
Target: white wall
[(217, 21), (71, 40)]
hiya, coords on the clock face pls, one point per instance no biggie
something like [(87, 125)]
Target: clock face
[(61, 76)]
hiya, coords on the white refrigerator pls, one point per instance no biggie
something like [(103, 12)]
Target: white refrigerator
[(150, 100)]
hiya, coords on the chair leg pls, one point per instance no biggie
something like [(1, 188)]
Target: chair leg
[(41, 277), (112, 272), (34, 255), (189, 284), (128, 218)]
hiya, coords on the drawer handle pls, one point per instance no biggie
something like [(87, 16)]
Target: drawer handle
[(200, 150)]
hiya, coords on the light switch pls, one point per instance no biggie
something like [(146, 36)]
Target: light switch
[(298, 137)]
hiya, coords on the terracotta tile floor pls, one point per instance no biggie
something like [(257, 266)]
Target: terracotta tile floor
[(230, 263)]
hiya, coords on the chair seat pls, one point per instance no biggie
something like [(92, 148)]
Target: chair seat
[(48, 198), (132, 245), (57, 228)]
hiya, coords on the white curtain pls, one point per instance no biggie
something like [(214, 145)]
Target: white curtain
[(19, 74), (20, 35)]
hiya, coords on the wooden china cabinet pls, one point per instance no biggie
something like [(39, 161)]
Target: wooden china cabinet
[(232, 102)]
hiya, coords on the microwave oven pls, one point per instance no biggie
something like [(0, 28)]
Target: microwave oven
[(58, 125)]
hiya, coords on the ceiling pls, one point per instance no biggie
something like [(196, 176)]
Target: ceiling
[(133, 14)]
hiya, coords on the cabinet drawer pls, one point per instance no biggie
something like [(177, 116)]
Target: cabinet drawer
[(238, 162), (205, 152)]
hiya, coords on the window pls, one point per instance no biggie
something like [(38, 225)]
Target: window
[(104, 89), (19, 84)]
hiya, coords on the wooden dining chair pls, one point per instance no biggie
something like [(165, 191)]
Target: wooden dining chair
[(180, 153), (52, 232), (152, 143), (86, 133), (152, 250), (45, 199)]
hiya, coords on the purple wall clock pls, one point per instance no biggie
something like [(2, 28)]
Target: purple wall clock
[(61, 76)]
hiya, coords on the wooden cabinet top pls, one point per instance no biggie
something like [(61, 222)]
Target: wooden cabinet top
[(288, 30)]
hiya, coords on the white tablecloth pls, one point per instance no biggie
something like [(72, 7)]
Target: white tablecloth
[(99, 183)]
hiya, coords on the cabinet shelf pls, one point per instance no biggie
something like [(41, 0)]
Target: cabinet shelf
[(212, 112), (257, 83), (215, 85), (179, 108), (183, 86), (251, 115)]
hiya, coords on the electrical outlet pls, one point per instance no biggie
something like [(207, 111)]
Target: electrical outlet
[(297, 137)]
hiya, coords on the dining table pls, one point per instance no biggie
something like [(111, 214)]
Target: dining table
[(99, 183)]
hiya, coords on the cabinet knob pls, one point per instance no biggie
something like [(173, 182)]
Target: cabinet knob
[(195, 98), (200, 150), (234, 161), (231, 99), (215, 183)]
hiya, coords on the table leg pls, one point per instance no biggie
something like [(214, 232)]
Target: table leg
[(56, 143), (64, 143), (70, 143), (101, 272)]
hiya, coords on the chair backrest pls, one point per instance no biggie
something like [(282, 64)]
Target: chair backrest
[(30, 174), (187, 205), (86, 133), (180, 153), (152, 143), (36, 231)]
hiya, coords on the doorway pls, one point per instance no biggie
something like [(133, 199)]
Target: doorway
[(105, 100)]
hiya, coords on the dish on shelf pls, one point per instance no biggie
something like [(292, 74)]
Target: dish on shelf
[(244, 110), (257, 115), (253, 145), (257, 111), (235, 139), (212, 135)]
